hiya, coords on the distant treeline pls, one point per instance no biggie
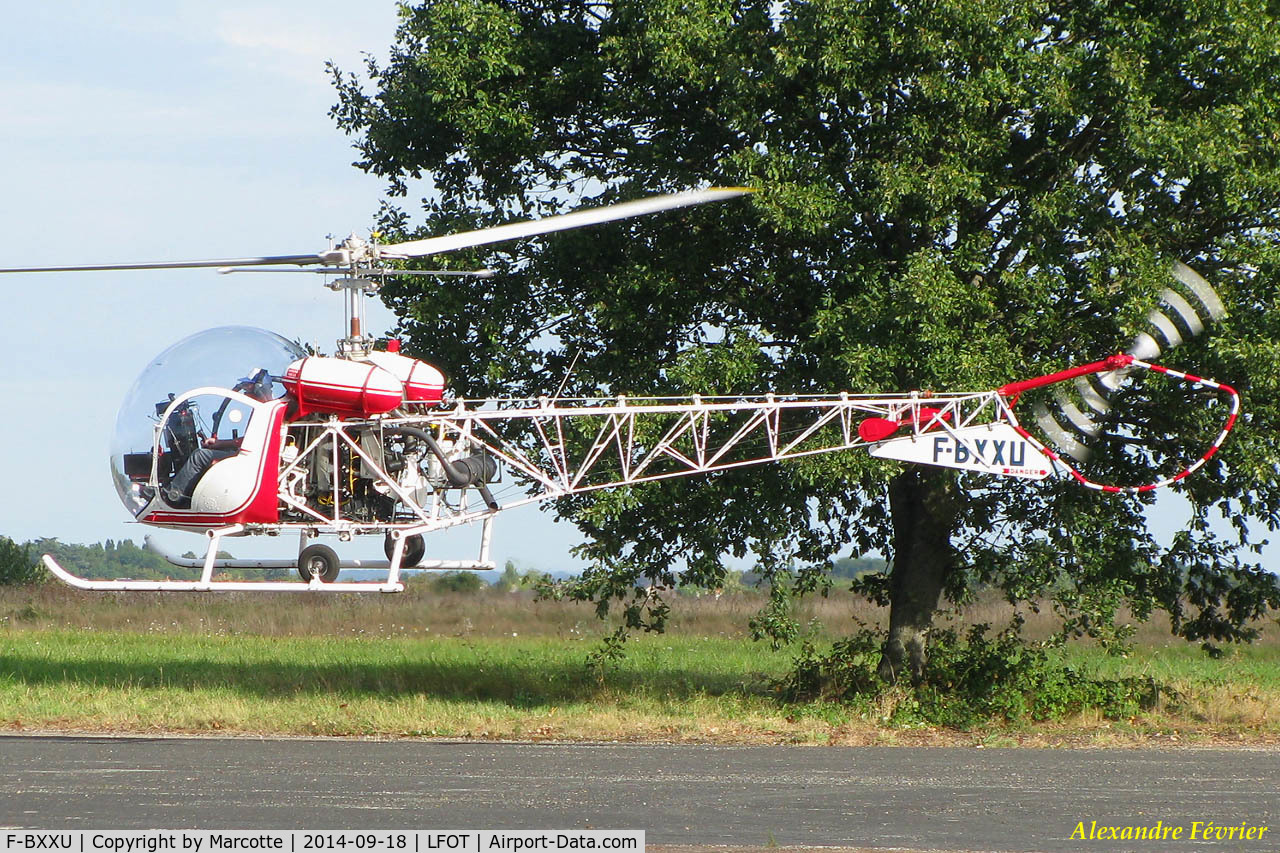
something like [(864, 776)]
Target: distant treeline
[(845, 567), (124, 559), (110, 559), (852, 567)]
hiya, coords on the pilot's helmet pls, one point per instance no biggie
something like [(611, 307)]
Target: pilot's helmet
[(256, 385)]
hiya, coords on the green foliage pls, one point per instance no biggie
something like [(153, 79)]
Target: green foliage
[(463, 582), (953, 195), (111, 559), (509, 579), (855, 567), (776, 621), (1005, 678), (969, 681), (17, 564), (846, 672), (512, 578), (730, 583), (608, 654)]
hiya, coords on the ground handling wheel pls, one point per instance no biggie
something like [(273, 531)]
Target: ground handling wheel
[(319, 561), (415, 548)]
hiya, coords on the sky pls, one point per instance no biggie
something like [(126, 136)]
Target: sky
[(153, 131)]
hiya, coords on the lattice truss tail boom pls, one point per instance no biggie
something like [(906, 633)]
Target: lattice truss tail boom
[(570, 447)]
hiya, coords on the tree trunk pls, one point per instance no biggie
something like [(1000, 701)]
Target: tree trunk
[(923, 507)]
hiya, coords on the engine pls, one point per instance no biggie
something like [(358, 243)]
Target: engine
[(351, 473)]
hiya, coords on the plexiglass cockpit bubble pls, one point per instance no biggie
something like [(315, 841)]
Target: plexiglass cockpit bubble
[(225, 357)]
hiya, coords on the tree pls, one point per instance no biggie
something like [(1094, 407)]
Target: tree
[(17, 565), (953, 194), (509, 580)]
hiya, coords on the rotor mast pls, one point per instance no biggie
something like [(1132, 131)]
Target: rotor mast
[(356, 344)]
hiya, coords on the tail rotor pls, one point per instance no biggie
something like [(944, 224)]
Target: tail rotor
[(1184, 309)]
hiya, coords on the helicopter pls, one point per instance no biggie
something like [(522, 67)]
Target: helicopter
[(368, 442)]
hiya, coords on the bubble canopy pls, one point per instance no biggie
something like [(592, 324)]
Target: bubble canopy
[(218, 358)]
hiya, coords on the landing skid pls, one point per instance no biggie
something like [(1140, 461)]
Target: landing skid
[(209, 585), (210, 563)]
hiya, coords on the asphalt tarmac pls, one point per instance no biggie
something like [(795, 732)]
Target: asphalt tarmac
[(894, 798)]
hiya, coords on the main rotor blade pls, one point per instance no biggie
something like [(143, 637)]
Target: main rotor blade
[(378, 272), (299, 260), (577, 219)]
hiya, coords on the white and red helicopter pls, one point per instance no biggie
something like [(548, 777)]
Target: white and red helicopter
[(368, 443)]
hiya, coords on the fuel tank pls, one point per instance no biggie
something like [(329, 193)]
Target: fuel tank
[(348, 389), (423, 383)]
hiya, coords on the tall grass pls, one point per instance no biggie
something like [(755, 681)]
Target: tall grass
[(494, 664), (420, 611)]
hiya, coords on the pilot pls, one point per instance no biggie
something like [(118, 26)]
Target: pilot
[(178, 493), (184, 482)]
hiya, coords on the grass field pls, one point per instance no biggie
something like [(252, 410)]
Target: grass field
[(495, 665)]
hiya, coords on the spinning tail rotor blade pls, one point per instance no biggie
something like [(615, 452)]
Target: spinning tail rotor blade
[(1203, 291), (1062, 439), (536, 227), (1173, 320)]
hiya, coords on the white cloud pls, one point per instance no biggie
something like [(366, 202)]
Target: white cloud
[(297, 42)]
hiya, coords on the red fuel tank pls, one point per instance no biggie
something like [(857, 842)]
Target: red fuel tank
[(423, 383), (348, 389)]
